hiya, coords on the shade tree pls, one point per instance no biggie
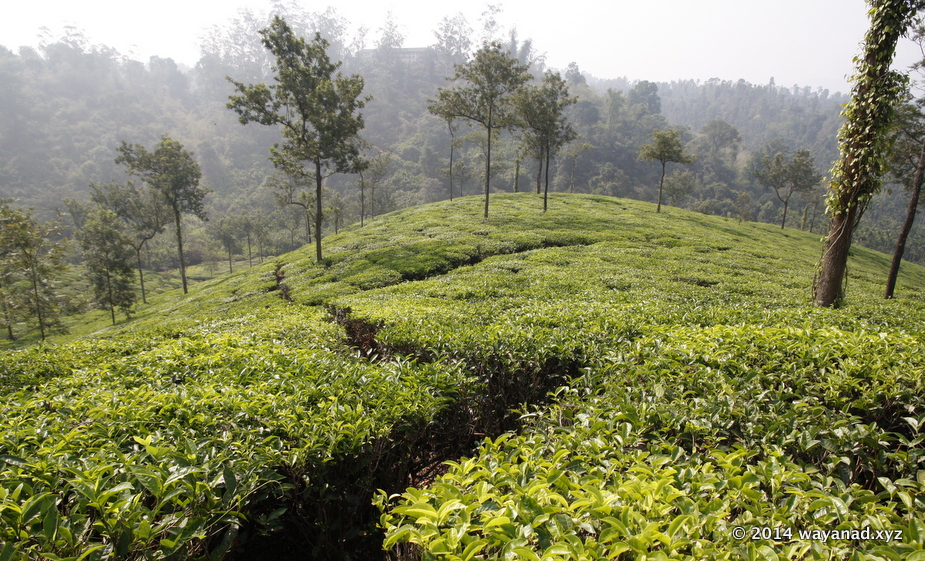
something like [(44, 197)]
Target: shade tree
[(907, 168), (540, 111), (666, 147), (33, 255), (144, 212), (107, 253), (12, 300), (294, 189), (315, 107), (379, 168), (225, 231), (863, 140), (174, 174), (483, 95), (787, 175)]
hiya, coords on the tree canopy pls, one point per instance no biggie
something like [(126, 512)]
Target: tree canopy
[(31, 260), (172, 171), (788, 175), (666, 147), (315, 106), (485, 96), (541, 111), (144, 212), (107, 253)]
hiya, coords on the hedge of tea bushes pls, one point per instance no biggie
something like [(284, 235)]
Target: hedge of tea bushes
[(179, 445), (675, 442)]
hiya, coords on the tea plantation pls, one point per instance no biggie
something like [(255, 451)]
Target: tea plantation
[(593, 382)]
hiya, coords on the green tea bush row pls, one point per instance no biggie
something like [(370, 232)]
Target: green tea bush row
[(182, 447), (687, 435)]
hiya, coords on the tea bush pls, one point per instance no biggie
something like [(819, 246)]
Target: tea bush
[(672, 384), (688, 434), (168, 448)]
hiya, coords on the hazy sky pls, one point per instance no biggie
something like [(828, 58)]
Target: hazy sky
[(805, 42)]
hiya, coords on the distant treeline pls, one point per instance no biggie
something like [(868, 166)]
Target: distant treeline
[(68, 105)]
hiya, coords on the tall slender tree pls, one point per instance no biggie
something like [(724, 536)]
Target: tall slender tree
[(863, 140), (225, 231), (485, 96), (907, 158), (107, 254), (452, 127), (144, 211), (541, 111), (315, 106), (11, 295), (666, 147), (788, 176), (37, 259), (174, 173), (378, 168), (294, 189)]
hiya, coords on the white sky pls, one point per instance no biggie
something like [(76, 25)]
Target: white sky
[(805, 42)]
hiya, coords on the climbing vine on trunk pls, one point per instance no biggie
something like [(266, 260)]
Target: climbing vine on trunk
[(863, 140)]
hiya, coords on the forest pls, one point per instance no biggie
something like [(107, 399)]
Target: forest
[(69, 105)]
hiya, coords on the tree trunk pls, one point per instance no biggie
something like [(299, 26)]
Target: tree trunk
[(38, 302), (907, 225), (488, 166), (176, 220), (250, 262), (661, 181), (546, 188), (452, 153), (539, 172), (831, 274), (318, 216), (784, 219), (862, 141), (141, 275), (812, 221), (230, 266), (363, 197), (516, 175), (8, 317), (112, 304)]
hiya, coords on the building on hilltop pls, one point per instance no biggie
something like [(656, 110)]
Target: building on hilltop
[(410, 55)]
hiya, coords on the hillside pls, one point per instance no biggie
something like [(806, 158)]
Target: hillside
[(607, 381)]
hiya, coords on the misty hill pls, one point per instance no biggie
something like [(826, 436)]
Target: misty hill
[(671, 379)]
